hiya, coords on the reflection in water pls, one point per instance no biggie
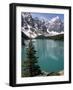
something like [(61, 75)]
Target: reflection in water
[(50, 53)]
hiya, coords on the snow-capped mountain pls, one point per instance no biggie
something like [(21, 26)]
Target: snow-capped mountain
[(56, 25), (33, 27)]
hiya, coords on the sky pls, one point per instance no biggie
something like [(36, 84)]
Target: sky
[(48, 16)]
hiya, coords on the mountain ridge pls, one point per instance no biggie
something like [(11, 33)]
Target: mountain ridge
[(35, 27)]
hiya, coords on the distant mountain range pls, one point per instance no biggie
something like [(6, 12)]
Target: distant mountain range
[(41, 28)]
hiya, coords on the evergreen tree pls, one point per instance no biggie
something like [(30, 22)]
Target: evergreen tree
[(31, 64)]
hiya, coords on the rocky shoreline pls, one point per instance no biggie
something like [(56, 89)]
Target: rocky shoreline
[(59, 73)]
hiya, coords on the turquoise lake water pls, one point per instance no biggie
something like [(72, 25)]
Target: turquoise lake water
[(50, 53)]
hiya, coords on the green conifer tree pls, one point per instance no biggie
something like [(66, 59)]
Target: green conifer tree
[(31, 64)]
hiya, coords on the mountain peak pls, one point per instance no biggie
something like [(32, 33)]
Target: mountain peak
[(54, 19)]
